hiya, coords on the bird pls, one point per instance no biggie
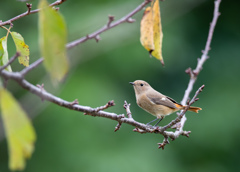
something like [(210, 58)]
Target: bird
[(156, 103)]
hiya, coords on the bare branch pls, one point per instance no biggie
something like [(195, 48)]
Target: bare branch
[(165, 141), (95, 35), (178, 119), (44, 95), (31, 67), (10, 61), (29, 11), (109, 104), (204, 56), (127, 107), (139, 130), (193, 77), (108, 26), (129, 114)]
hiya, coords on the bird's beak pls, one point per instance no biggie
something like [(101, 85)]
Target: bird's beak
[(132, 83)]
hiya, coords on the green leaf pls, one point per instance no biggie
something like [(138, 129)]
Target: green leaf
[(4, 53), (19, 131), (52, 39), (22, 48)]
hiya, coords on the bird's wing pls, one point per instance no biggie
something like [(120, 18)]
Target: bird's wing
[(160, 99), (172, 100)]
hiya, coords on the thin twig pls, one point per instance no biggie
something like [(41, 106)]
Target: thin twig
[(129, 115), (31, 67), (94, 35), (8, 22), (109, 104), (10, 61), (127, 107), (204, 56), (163, 144), (178, 119), (193, 77), (202, 60), (109, 25)]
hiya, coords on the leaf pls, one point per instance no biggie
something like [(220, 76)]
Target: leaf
[(22, 48), (19, 131), (146, 30), (151, 31), (52, 37), (4, 53), (157, 32)]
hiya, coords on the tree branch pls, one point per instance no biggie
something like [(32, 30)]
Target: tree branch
[(94, 35), (204, 57), (29, 11), (31, 67), (10, 61), (193, 77), (44, 95), (109, 25)]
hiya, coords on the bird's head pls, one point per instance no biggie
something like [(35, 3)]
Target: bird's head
[(140, 86)]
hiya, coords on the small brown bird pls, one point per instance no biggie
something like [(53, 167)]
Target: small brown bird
[(156, 103)]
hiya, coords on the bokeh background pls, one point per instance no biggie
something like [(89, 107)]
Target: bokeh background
[(70, 141)]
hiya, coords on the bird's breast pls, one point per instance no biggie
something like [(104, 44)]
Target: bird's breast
[(152, 108)]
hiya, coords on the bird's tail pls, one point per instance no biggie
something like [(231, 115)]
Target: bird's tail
[(194, 109), (191, 108)]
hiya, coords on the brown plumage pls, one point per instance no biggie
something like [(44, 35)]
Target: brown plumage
[(156, 103)]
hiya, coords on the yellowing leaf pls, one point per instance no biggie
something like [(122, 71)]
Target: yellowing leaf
[(22, 48), (19, 131), (4, 53), (157, 32), (147, 30), (151, 31), (53, 37)]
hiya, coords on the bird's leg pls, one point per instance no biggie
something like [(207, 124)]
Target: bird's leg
[(151, 121), (158, 121)]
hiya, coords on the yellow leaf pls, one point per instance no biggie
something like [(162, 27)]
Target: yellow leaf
[(19, 131), (4, 53), (157, 32), (151, 31), (52, 39), (146, 30), (22, 48)]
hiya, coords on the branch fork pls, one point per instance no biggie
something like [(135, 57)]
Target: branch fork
[(163, 144)]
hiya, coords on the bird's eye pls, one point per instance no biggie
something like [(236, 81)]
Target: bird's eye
[(141, 85)]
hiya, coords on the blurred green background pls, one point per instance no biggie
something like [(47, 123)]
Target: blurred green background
[(70, 141)]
